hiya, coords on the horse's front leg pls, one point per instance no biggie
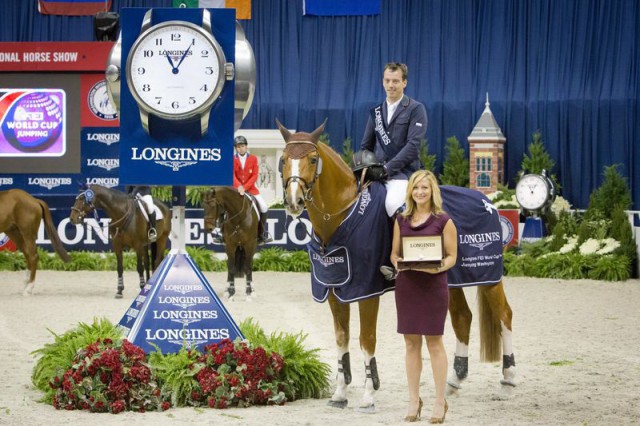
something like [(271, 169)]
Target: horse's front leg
[(368, 325), (117, 248), (230, 292), (142, 264), (248, 273), (461, 320), (497, 301), (341, 313)]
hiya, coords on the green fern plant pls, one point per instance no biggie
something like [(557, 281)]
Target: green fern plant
[(611, 268), (428, 160), (175, 377), (455, 169), (307, 376), (58, 356)]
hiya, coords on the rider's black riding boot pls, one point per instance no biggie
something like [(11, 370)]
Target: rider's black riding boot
[(263, 234), (152, 233)]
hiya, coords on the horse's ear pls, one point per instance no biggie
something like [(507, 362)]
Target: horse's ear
[(286, 134), (315, 136)]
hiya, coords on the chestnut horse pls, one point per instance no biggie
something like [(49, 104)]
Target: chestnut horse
[(20, 216), (128, 227), (239, 230), (327, 192)]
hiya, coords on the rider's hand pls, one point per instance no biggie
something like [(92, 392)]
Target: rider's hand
[(241, 190)]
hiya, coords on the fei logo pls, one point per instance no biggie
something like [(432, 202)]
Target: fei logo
[(32, 123)]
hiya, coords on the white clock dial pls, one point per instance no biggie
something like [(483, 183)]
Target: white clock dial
[(532, 192), (175, 70)]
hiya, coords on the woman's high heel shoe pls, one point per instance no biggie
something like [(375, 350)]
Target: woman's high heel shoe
[(438, 420), (416, 416)]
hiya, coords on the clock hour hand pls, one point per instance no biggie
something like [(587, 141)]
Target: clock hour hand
[(173, 67)]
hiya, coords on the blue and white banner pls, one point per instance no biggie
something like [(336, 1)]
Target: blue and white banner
[(479, 237)]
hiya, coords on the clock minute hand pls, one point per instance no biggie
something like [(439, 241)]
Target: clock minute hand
[(184, 55)]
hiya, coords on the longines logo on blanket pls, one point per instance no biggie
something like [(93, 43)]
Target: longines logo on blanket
[(328, 260), (105, 138), (109, 182), (49, 182), (176, 157), (104, 163), (480, 240)]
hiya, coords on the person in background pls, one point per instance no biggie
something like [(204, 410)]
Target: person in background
[(245, 175), (422, 294), (147, 200), (394, 131)]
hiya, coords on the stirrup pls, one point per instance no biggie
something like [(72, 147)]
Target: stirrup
[(388, 272), (217, 236), (153, 235), (264, 239)]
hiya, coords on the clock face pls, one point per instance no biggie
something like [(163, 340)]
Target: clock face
[(532, 192), (175, 70)]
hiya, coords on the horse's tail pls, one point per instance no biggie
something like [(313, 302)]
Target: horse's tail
[(240, 259), (490, 328), (53, 233)]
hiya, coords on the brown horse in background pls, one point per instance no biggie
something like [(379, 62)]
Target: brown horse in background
[(20, 216), (327, 192), (239, 229), (128, 228)]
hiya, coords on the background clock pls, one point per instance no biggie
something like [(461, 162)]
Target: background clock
[(176, 70), (535, 192)]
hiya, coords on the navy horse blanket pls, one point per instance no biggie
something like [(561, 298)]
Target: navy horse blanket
[(349, 264), (479, 259)]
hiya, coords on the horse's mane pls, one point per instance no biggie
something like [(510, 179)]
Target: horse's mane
[(114, 194)]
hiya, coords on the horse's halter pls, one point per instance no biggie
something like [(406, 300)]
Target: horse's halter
[(88, 196), (297, 150)]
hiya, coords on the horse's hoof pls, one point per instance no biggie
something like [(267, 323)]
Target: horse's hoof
[(228, 297), (369, 409), (338, 404), (452, 389), (508, 383), (118, 295)]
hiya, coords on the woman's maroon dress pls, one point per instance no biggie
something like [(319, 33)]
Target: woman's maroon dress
[(422, 299)]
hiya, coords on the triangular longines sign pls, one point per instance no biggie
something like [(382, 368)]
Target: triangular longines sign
[(177, 307)]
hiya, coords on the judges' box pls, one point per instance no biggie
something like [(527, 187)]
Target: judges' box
[(421, 252)]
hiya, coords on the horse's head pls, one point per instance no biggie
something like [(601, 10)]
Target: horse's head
[(82, 206), (212, 209), (300, 167)]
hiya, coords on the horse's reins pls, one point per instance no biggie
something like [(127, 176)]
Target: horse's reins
[(229, 219), (308, 187)]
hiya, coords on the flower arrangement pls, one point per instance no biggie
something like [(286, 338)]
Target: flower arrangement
[(233, 374), (93, 368), (108, 376)]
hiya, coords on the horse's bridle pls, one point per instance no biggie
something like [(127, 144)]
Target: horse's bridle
[(88, 196), (224, 210), (307, 186)]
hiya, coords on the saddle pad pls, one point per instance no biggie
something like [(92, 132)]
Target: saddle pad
[(158, 212)]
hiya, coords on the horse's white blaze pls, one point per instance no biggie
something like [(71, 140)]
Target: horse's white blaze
[(294, 186)]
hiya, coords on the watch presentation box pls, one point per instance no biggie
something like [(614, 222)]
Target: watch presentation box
[(421, 252)]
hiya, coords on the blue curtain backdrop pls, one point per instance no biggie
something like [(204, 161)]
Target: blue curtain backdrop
[(570, 69)]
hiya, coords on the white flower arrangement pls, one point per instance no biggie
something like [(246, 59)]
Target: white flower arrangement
[(493, 195), (559, 205), (591, 246), (609, 245), (571, 244)]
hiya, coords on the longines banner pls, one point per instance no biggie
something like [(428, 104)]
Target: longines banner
[(93, 235), (176, 105)]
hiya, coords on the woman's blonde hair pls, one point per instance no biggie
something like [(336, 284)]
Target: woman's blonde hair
[(436, 196)]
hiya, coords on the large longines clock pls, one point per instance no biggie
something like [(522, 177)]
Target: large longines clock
[(535, 192), (175, 71)]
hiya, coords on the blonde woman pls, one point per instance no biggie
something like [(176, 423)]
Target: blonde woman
[(422, 295)]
